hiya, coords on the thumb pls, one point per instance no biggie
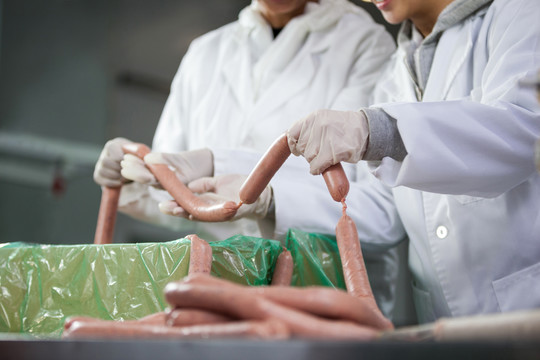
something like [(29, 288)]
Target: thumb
[(203, 185)]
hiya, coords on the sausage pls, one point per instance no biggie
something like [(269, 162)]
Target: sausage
[(73, 319), (326, 302), (352, 261), (158, 318), (200, 255), (188, 317), (107, 215), (265, 169), (336, 182), (273, 159), (284, 269), (197, 208), (237, 302), (120, 330)]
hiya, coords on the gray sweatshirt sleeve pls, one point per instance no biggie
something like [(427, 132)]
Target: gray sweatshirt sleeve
[(384, 137)]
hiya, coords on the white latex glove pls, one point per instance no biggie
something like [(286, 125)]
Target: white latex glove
[(107, 171), (326, 137), (187, 165), (219, 189)]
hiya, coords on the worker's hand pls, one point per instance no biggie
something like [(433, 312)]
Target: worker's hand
[(220, 189), (108, 170), (326, 137), (187, 165)]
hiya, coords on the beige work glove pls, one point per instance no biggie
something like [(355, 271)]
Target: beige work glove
[(220, 189), (327, 137), (107, 171), (187, 165)]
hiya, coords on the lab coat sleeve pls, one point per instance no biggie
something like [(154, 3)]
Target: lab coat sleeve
[(481, 145)]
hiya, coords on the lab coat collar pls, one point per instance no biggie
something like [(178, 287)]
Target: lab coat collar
[(419, 59), (262, 62)]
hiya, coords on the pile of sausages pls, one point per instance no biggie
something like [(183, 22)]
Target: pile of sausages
[(202, 306)]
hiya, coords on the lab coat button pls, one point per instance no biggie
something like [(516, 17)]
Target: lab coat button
[(442, 232)]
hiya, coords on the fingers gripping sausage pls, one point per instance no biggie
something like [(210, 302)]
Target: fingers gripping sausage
[(284, 269), (194, 205), (200, 255), (273, 159)]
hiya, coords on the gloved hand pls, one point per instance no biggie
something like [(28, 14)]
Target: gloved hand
[(107, 171), (326, 137), (219, 189), (187, 165)]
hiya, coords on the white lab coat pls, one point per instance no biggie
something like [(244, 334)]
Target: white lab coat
[(467, 192), (238, 89)]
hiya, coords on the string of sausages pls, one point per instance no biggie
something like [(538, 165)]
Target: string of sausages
[(202, 306)]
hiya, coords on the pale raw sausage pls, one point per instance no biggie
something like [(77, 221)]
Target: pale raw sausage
[(322, 301), (352, 261), (269, 329), (265, 169), (336, 182), (188, 317), (200, 255), (273, 159), (107, 215), (283, 270), (233, 301)]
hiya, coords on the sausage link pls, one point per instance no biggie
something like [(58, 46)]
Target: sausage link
[(189, 317), (321, 301), (336, 182), (326, 302), (273, 159), (234, 301), (158, 318), (122, 330), (352, 260), (197, 208), (284, 269), (265, 169), (200, 255), (107, 215)]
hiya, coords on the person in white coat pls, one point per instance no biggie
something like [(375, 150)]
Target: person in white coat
[(237, 89), (452, 133)]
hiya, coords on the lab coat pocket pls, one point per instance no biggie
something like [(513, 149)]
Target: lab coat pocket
[(519, 290), (422, 305)]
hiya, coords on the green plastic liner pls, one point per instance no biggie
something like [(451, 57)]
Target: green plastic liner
[(42, 285), (316, 259)]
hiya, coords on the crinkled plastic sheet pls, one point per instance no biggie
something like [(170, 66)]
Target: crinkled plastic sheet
[(316, 259), (42, 285)]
